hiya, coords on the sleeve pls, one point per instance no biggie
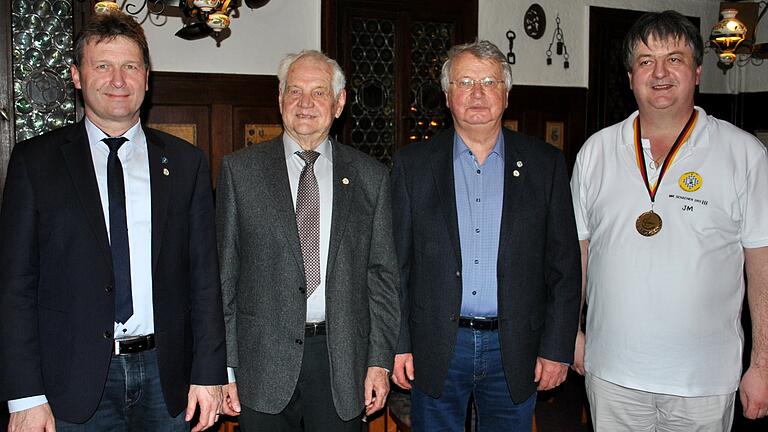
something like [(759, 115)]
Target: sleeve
[(229, 259), (401, 223), (563, 272), (753, 202), (579, 199), (209, 356), (384, 301), (20, 362)]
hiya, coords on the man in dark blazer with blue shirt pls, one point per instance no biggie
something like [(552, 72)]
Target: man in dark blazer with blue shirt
[(489, 259), (109, 290)]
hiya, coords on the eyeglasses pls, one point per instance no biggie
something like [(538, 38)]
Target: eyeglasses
[(467, 84)]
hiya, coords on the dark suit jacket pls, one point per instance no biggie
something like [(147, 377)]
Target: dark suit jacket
[(538, 268), (263, 283), (56, 274)]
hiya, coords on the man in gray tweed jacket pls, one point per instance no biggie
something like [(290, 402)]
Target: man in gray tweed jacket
[(308, 268)]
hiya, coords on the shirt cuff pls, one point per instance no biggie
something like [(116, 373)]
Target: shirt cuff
[(231, 375), (22, 404)]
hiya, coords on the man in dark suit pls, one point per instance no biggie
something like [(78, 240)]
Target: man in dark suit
[(489, 259), (109, 291), (308, 267)]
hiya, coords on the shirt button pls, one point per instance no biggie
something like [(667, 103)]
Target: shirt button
[(299, 342), (107, 334), (477, 230), (474, 292), (477, 261), (478, 171), (477, 199)]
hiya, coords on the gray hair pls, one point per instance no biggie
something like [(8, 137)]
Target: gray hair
[(337, 82), (482, 49), (662, 26)]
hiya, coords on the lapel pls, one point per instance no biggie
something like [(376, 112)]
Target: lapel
[(160, 185), (513, 190), (343, 169), (441, 164), (79, 162), (273, 170)]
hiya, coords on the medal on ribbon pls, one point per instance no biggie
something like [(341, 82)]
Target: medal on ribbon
[(650, 223)]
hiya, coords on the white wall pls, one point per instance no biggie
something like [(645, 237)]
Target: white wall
[(262, 36), (498, 16)]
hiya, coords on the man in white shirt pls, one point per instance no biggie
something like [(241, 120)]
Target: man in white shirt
[(670, 206)]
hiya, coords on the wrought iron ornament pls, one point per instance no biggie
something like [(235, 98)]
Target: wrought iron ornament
[(510, 55), (535, 21), (561, 49)]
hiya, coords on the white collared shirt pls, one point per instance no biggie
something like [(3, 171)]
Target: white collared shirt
[(134, 157), (324, 174)]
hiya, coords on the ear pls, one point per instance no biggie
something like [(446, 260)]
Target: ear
[(698, 74), (75, 76), (629, 75), (280, 98), (146, 81), (340, 102)]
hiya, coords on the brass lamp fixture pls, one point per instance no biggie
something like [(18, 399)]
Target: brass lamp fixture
[(202, 17), (733, 37)]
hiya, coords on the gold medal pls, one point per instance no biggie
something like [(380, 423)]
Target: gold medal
[(648, 223)]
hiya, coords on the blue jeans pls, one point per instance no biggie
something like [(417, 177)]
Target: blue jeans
[(475, 369), (132, 401)]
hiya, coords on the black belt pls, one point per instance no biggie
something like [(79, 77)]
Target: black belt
[(134, 344), (314, 329), (479, 324)]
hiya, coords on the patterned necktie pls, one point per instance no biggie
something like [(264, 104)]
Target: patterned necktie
[(308, 220), (118, 232)]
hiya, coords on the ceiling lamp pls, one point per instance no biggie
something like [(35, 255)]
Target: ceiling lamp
[(202, 17), (733, 37)]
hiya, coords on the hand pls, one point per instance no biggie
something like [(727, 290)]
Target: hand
[(578, 353), (231, 404), (549, 374), (753, 392), (376, 389), (209, 400), (402, 375), (35, 419)]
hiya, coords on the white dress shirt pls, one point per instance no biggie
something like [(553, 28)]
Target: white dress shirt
[(134, 157)]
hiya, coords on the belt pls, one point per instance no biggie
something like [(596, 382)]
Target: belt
[(479, 324), (134, 344), (314, 329)]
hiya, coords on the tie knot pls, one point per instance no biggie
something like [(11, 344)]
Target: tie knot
[(309, 156), (114, 143)]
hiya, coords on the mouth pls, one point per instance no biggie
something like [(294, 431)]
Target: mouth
[(303, 116), (662, 86)]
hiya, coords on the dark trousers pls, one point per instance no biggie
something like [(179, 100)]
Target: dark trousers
[(476, 369), (311, 407), (133, 400)]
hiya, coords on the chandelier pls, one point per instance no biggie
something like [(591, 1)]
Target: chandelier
[(202, 17), (733, 37)]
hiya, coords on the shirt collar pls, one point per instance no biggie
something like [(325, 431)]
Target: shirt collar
[(290, 146), (460, 148), (135, 134), (696, 139)]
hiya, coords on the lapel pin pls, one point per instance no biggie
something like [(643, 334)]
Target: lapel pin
[(345, 181), (166, 172), (164, 160), (519, 164), (516, 173)]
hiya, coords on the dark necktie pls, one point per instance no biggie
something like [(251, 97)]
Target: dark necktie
[(308, 220), (118, 232)]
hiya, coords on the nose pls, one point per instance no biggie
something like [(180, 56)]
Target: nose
[(660, 69), (477, 89), (305, 101), (117, 80)]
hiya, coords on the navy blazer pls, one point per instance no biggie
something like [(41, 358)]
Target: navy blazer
[(538, 268), (56, 274)]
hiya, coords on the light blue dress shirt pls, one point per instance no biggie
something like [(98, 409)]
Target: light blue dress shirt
[(479, 193)]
